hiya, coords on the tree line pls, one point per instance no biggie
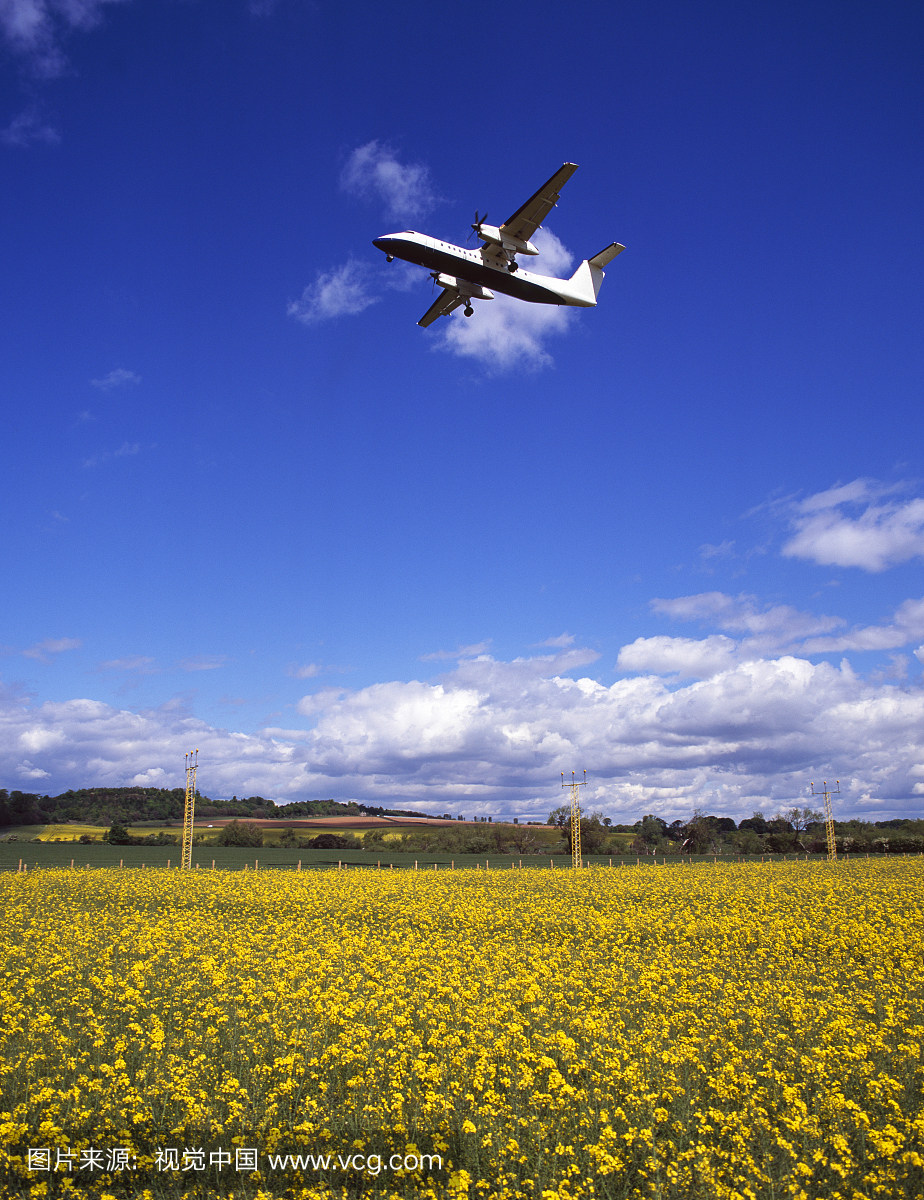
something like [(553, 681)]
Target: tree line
[(793, 830), (132, 805)]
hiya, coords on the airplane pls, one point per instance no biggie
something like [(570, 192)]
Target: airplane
[(467, 274)]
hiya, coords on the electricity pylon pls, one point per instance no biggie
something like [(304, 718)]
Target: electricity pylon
[(189, 811), (829, 816), (575, 816)]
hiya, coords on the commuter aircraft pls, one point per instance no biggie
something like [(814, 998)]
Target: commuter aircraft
[(466, 274)]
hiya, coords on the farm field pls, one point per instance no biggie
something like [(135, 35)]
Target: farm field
[(722, 1030), (97, 855)]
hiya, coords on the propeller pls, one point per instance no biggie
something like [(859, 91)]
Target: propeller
[(476, 227)]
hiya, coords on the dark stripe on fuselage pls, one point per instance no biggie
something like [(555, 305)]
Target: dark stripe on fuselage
[(468, 269)]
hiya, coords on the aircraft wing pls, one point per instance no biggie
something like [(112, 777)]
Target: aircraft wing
[(527, 219), (446, 301)]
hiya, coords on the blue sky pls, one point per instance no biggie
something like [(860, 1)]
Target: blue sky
[(250, 506)]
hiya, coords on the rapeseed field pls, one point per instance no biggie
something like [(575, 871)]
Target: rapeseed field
[(719, 1031)]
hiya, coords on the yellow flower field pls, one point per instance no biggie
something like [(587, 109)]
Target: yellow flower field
[(711, 1031)]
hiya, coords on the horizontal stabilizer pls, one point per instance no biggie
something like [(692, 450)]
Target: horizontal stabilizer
[(600, 260)]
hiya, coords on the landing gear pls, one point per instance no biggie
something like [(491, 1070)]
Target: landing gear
[(389, 258), (468, 310), (513, 266)]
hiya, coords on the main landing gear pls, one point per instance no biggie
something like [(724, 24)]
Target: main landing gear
[(468, 310), (513, 266)]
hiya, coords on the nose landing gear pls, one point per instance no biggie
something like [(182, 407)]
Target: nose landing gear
[(513, 266), (389, 258), (468, 310)]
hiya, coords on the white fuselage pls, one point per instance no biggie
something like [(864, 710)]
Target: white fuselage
[(483, 267)]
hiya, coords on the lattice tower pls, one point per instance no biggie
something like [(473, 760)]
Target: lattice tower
[(189, 810), (575, 816), (829, 815)]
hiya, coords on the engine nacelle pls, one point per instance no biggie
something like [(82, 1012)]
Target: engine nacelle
[(464, 288), (491, 233)]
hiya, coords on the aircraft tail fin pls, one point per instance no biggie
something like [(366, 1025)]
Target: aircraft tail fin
[(589, 275)]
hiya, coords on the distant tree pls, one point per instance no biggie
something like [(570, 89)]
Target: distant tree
[(560, 816), (593, 833), (237, 834), (329, 841), (699, 837), (118, 835), (651, 830), (800, 819), (523, 840)]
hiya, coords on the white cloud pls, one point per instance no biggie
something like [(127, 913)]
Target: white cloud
[(471, 651), (493, 736), (27, 127), (35, 29), (126, 450), (373, 172), (45, 650), (688, 658), (305, 671), (563, 639), (203, 662), (722, 550), (853, 525), (117, 378), (505, 333), (772, 630), (138, 665), (779, 623), (343, 291)]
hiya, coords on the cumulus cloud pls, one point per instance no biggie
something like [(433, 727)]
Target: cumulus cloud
[(767, 631), (343, 291), (46, 650), (506, 334), (695, 658), (856, 525), (117, 378), (373, 172), (36, 29), (492, 736)]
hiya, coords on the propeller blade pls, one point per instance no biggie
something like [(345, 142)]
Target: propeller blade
[(476, 227)]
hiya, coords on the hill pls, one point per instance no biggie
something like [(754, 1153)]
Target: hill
[(132, 805)]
